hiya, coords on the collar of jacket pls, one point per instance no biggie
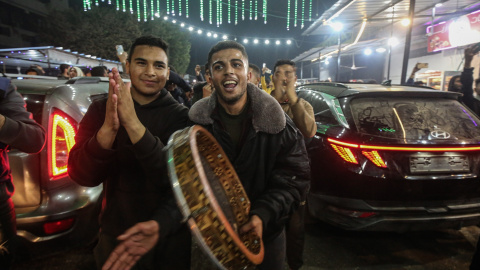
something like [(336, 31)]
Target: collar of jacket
[(268, 116)]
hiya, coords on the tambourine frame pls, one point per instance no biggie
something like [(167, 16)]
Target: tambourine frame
[(190, 136)]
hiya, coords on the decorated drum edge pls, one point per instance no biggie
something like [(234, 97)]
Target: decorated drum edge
[(201, 241), (254, 258), (177, 190)]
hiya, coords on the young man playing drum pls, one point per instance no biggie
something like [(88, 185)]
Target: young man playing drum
[(266, 150), (119, 144)]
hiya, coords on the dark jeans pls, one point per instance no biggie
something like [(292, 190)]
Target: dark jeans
[(274, 253), (295, 231), (8, 233), (172, 253)]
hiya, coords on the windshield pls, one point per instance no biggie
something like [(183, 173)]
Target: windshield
[(415, 118)]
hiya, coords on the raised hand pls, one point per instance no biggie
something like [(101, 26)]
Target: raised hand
[(108, 131)]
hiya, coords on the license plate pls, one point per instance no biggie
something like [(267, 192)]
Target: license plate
[(439, 164)]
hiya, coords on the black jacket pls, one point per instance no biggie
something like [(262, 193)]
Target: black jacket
[(272, 163), (136, 185)]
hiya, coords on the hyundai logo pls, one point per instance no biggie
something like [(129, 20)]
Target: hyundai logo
[(440, 134)]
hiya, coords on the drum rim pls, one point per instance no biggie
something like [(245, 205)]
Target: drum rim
[(183, 205)]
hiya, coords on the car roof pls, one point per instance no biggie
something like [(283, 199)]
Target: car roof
[(339, 90)]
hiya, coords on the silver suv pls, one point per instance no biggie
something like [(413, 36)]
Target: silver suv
[(50, 206)]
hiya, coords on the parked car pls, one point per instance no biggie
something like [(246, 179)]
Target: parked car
[(392, 158), (51, 207)]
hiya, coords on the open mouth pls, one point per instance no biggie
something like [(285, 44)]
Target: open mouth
[(230, 85)]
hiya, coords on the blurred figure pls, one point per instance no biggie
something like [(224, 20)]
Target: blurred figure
[(33, 71), (301, 112), (203, 88), (254, 76), (198, 74), (100, 71), (75, 72), (64, 68), (266, 80), (87, 72), (464, 83), (17, 130)]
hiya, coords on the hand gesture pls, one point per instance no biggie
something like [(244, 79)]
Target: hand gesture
[(135, 243), (254, 224), (207, 90), (290, 90), (126, 109), (108, 131), (469, 53)]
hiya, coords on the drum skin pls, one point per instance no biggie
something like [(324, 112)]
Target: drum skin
[(212, 199)]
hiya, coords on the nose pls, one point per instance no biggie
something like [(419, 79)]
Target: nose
[(228, 69), (150, 70)]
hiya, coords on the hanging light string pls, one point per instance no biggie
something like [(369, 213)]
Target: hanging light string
[(182, 9)]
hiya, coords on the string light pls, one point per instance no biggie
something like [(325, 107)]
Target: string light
[(310, 11), (303, 14), (124, 5), (229, 12), (210, 11), (158, 7), (131, 6), (152, 8), (144, 10), (138, 10), (173, 8), (179, 7), (221, 11), (96, 2), (295, 16), (201, 10), (256, 10), (186, 8), (118, 5), (288, 14), (251, 10), (218, 13), (168, 6), (236, 12), (265, 11), (243, 10)]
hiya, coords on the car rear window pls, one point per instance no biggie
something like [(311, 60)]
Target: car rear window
[(415, 118)]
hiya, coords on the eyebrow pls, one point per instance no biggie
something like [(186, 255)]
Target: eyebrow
[(156, 62), (231, 60)]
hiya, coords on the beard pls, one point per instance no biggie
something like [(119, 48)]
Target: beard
[(230, 100)]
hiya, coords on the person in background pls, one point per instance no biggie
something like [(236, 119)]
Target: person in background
[(100, 71), (64, 68), (202, 89), (124, 151), (87, 72), (411, 79), (33, 71), (20, 131), (75, 72), (184, 88), (254, 74), (266, 80), (301, 112), (198, 74), (464, 83)]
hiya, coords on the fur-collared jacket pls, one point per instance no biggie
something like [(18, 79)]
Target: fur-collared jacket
[(272, 163)]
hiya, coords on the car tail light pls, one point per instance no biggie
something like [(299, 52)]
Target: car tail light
[(58, 226), (61, 139), (345, 153), (375, 157)]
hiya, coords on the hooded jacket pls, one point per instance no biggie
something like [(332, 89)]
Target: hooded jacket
[(136, 185), (272, 163)]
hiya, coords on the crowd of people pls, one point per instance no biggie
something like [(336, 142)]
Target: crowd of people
[(254, 114)]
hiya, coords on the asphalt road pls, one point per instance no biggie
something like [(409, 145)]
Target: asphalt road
[(331, 248)]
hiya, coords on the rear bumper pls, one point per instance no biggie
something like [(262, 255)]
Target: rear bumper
[(80, 203), (360, 215)]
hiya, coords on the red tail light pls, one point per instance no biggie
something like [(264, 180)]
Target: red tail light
[(374, 157), (58, 226), (345, 153), (61, 139)]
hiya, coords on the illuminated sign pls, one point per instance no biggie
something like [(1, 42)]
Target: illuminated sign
[(461, 31)]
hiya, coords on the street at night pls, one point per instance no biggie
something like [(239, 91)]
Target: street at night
[(332, 248)]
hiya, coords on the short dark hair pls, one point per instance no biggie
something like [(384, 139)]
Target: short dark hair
[(224, 45), (99, 71), (63, 67), (149, 41), (255, 69), (282, 62)]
